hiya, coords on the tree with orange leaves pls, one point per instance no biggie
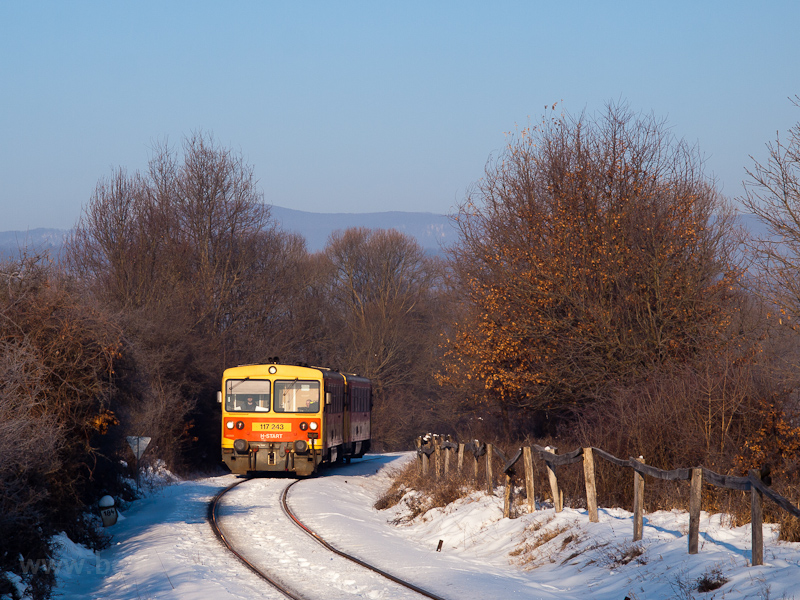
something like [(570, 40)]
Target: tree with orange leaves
[(592, 252)]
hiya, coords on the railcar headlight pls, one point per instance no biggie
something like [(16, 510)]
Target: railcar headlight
[(239, 424), (303, 426), (229, 424), (273, 370), (314, 426)]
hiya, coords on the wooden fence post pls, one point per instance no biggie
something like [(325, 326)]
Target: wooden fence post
[(507, 499), (425, 461), (638, 504), (437, 452), (446, 461), (695, 493), (489, 473), (475, 465), (460, 457), (558, 495), (591, 488), (527, 456), (418, 444), (756, 522)]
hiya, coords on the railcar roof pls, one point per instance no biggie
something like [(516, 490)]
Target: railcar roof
[(293, 371)]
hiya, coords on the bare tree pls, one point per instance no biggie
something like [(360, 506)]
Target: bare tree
[(112, 245), (221, 216), (382, 290), (201, 275), (772, 193), (381, 285)]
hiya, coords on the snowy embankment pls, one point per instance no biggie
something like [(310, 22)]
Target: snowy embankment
[(165, 548)]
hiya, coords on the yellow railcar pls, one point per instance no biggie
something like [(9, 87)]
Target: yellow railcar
[(287, 418)]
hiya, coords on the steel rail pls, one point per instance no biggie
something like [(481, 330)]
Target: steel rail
[(315, 536), (212, 519)]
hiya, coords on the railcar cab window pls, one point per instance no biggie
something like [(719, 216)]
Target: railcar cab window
[(297, 396), (247, 395)]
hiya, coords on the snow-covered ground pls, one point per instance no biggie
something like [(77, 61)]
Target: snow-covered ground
[(164, 548)]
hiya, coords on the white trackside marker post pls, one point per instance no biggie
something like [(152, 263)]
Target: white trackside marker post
[(108, 511)]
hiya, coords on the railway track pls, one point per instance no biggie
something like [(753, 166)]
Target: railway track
[(277, 581), (215, 525)]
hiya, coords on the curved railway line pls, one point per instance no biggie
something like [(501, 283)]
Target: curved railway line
[(274, 581)]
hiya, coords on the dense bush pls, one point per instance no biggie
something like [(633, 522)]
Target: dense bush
[(57, 361)]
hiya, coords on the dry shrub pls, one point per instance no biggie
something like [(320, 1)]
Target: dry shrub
[(680, 417), (773, 451), (391, 497), (789, 524), (711, 580), (423, 492), (622, 554), (536, 542), (401, 480), (789, 527), (733, 505)]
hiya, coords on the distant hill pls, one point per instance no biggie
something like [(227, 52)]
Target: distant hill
[(32, 241), (431, 231)]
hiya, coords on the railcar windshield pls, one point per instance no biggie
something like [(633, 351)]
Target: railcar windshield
[(297, 396), (247, 395)]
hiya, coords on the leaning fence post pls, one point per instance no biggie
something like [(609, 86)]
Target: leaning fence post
[(694, 508), (591, 489), (460, 456), (447, 460), (638, 503), (558, 496), (489, 473), (756, 521), (527, 456)]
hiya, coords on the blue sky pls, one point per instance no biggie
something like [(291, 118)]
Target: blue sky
[(368, 106)]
